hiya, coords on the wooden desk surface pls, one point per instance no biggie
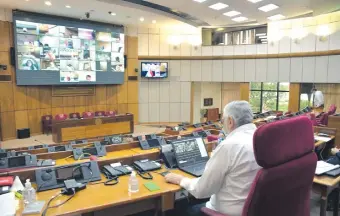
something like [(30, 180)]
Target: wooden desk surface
[(98, 196), (326, 180)]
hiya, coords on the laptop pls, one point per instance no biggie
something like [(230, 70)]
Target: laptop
[(191, 155)]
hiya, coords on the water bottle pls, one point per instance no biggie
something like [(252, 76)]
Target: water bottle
[(133, 183), (29, 193)]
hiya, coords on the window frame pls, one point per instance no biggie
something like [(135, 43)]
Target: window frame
[(278, 91)]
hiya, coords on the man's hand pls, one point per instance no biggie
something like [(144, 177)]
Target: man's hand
[(174, 178)]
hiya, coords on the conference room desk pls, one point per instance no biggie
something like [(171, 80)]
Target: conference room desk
[(325, 185), (74, 129), (99, 200)]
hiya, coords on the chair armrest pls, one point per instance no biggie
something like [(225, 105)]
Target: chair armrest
[(321, 125), (210, 212)]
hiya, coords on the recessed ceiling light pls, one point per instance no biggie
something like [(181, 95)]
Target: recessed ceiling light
[(67, 6), (112, 14), (27, 0), (240, 19), (48, 3), (268, 7), (141, 19), (154, 21), (276, 17), (254, 1), (218, 6), (232, 13), (199, 1)]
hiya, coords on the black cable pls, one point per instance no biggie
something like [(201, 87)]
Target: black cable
[(49, 202), (142, 174)]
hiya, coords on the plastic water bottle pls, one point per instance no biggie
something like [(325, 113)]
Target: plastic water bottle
[(29, 193), (133, 183)]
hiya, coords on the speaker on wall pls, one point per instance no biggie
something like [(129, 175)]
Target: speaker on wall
[(12, 54)]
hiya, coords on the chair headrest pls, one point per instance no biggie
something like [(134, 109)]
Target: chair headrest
[(283, 141)]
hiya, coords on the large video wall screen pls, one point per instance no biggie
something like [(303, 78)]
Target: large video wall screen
[(54, 54)]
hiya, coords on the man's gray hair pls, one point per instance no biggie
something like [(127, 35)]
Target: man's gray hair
[(240, 111)]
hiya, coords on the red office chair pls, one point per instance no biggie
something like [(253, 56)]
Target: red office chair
[(198, 130), (322, 120), (110, 113), (279, 114), (60, 117), (284, 150), (46, 122), (332, 110), (212, 138), (99, 113), (75, 115), (87, 115)]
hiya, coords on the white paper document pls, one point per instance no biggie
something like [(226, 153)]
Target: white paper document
[(322, 167), (7, 204), (324, 139)]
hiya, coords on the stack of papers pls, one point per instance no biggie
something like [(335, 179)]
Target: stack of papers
[(320, 138), (323, 167), (7, 204)]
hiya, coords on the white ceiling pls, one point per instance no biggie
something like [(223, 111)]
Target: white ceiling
[(288, 8), (125, 15), (129, 14)]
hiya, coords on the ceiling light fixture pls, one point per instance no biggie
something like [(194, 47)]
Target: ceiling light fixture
[(218, 6), (232, 13), (240, 19), (254, 1), (27, 0), (154, 21), (67, 6), (323, 32), (141, 19), (48, 3), (276, 17), (112, 14), (199, 1), (268, 7)]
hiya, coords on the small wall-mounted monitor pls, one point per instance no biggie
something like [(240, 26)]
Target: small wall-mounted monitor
[(154, 69)]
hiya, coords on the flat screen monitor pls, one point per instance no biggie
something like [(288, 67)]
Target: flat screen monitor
[(69, 173), (154, 69), (91, 151), (16, 161), (52, 50)]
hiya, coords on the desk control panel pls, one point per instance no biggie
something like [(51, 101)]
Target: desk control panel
[(81, 153), (60, 148), (203, 134), (54, 177), (37, 147), (23, 161)]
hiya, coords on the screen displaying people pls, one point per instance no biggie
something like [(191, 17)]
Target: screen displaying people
[(75, 53), (154, 69)]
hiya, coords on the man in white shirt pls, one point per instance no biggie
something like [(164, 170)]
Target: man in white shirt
[(318, 99), (230, 171)]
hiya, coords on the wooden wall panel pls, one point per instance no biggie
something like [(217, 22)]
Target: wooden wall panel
[(133, 108), (4, 36), (6, 97), (331, 93), (101, 94), (34, 121), (294, 97), (132, 65), (122, 94), (45, 96), (123, 108), (20, 97), (8, 125), (132, 50), (111, 94), (21, 119), (23, 106), (244, 91), (132, 92), (230, 92), (32, 97)]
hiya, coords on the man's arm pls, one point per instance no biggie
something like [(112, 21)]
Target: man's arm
[(213, 177)]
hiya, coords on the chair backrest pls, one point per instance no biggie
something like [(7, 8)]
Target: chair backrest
[(99, 113), (284, 150), (47, 118), (323, 120), (110, 113), (75, 115), (332, 109), (88, 115), (61, 116)]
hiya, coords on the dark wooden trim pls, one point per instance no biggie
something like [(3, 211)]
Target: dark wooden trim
[(255, 56)]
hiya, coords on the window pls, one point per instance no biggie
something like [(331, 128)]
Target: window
[(269, 96), (305, 94)]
